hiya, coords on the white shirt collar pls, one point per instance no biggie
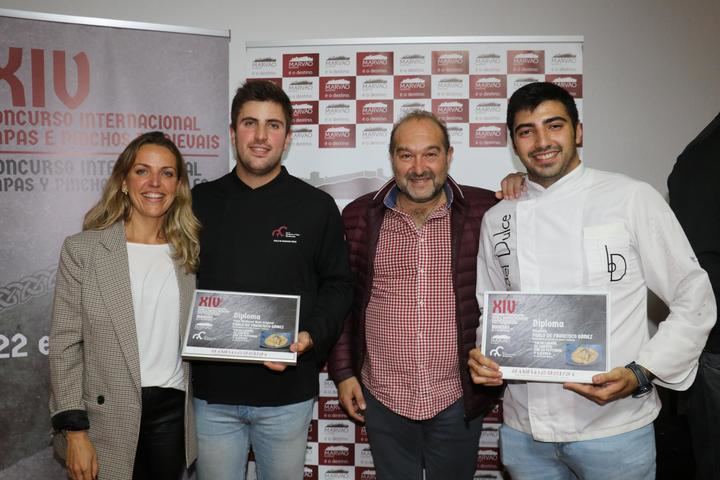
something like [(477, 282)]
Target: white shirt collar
[(567, 181)]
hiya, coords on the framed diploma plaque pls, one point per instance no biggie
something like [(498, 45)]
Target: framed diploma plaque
[(242, 327), (547, 337)]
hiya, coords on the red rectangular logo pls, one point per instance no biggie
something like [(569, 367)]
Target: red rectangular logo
[(488, 86), (488, 459), (488, 135), (375, 63), (301, 64), (337, 88), (361, 434), (337, 136), (337, 454), (450, 61), (365, 473), (451, 110)]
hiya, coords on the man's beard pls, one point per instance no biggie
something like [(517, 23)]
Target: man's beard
[(405, 189)]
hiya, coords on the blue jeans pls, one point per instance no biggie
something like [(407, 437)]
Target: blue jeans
[(627, 456), (225, 433)]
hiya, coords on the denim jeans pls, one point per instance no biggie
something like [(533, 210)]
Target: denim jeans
[(225, 433), (627, 456)]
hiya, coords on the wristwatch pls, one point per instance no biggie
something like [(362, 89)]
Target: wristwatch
[(645, 386)]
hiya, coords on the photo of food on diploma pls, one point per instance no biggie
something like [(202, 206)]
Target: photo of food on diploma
[(241, 326), (550, 337)]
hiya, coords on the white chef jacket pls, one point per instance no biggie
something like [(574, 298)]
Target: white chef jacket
[(599, 231)]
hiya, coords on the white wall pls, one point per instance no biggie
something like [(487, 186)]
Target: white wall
[(651, 67)]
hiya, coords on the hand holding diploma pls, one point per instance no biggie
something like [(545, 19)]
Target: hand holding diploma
[(484, 371), (303, 344), (606, 387)]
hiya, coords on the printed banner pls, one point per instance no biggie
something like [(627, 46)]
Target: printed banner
[(346, 98), (71, 97)]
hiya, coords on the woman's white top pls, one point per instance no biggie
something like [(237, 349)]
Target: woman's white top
[(156, 300)]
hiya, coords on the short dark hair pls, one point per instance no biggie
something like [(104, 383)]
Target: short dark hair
[(260, 91), (421, 115), (533, 94)]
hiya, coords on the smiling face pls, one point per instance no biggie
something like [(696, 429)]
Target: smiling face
[(152, 182), (546, 142), (419, 160), (260, 138)]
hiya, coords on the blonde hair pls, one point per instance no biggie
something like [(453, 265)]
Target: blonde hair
[(180, 227)]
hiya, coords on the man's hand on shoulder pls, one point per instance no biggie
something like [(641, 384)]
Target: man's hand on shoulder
[(352, 399), (512, 186), (607, 387), (303, 344)]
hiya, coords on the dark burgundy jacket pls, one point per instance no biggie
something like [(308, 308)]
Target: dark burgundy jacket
[(362, 219)]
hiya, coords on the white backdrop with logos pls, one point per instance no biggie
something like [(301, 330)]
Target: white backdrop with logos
[(346, 96)]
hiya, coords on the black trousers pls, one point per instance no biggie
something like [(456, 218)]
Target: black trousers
[(445, 446), (161, 446), (704, 417)]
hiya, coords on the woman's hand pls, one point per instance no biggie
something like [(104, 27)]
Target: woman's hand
[(81, 461)]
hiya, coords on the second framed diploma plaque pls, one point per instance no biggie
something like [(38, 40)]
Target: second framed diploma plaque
[(550, 337)]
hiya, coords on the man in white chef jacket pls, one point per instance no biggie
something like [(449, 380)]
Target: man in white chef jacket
[(580, 229)]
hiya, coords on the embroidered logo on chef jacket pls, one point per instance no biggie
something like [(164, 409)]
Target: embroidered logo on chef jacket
[(617, 266), (281, 234), (607, 249)]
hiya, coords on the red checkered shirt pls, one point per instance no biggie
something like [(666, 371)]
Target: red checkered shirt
[(411, 365)]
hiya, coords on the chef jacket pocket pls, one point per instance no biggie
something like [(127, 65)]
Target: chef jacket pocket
[(607, 250)]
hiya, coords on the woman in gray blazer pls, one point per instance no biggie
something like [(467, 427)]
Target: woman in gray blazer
[(124, 286)]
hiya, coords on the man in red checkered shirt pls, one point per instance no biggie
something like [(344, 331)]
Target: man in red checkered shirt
[(400, 365)]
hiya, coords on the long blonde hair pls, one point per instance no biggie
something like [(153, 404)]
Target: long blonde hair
[(180, 227)]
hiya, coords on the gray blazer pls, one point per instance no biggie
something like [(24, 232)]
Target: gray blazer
[(94, 359)]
